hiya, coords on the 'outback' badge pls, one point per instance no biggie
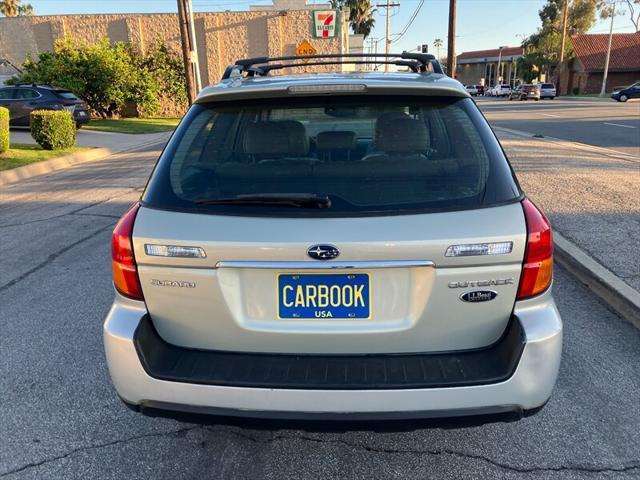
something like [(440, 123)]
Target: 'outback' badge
[(478, 296)]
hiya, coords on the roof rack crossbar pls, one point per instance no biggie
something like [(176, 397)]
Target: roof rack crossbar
[(265, 69), (260, 65)]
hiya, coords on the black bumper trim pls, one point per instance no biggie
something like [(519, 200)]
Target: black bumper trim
[(493, 364)]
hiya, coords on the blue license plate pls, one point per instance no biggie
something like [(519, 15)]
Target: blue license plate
[(324, 295)]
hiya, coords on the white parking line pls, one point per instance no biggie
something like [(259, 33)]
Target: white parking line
[(550, 115), (619, 125)]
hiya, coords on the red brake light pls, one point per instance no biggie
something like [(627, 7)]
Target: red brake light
[(125, 270), (537, 269)]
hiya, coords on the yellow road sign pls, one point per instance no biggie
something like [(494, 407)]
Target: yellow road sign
[(305, 48)]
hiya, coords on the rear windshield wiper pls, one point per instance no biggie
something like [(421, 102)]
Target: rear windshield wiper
[(297, 200)]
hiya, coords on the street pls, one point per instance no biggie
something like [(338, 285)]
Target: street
[(594, 121), (60, 417)]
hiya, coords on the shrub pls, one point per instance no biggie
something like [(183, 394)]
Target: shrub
[(109, 77), (53, 129), (4, 129)]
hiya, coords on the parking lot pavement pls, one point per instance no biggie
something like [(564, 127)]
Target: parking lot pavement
[(594, 121), (590, 197), (90, 138), (60, 418)]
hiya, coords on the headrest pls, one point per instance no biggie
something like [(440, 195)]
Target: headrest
[(338, 140), (399, 133), (276, 138)]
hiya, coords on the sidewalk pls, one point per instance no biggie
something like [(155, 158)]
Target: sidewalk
[(89, 138), (106, 144), (590, 196)]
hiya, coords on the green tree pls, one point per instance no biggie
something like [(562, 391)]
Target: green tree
[(167, 70), (543, 47), (15, 8), (106, 77), (360, 15)]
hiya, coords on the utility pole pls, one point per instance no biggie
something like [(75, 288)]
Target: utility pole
[(194, 48), (564, 29), (387, 42), (603, 90), (451, 43), (186, 50)]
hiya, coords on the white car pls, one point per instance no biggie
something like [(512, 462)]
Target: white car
[(547, 90), (472, 90), (502, 90), (333, 246)]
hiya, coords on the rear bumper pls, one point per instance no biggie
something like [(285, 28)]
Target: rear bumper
[(81, 118), (527, 386)]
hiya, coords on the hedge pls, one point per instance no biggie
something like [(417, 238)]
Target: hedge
[(53, 129), (4, 129)]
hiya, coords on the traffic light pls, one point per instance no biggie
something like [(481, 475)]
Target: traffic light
[(424, 48)]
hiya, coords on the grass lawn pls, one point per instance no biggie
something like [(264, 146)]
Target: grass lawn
[(20, 154), (133, 125)]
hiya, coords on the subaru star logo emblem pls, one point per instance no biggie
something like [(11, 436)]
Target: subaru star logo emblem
[(323, 252)]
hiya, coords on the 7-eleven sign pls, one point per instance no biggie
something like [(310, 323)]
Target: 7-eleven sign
[(324, 23)]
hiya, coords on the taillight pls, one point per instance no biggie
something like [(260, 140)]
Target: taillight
[(537, 269), (125, 270)]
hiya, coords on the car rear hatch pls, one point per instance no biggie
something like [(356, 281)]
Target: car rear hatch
[(417, 248)]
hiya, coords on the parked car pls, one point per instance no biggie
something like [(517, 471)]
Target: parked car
[(525, 92), (22, 99), (472, 90), (547, 90), (502, 90), (625, 94), (260, 276)]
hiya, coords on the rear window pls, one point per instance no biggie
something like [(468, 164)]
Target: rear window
[(66, 95), (548, 85), (368, 155)]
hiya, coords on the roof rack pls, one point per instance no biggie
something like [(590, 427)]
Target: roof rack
[(261, 66)]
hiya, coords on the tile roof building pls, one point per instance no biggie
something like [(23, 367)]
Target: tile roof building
[(583, 73)]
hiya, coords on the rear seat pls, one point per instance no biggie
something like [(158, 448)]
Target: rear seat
[(274, 150)]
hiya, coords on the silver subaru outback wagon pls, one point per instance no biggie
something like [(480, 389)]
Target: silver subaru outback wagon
[(344, 246)]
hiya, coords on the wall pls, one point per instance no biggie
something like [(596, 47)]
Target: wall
[(573, 75), (221, 37)]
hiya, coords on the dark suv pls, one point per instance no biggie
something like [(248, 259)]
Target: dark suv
[(21, 100)]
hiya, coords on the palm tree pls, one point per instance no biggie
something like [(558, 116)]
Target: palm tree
[(437, 43), (360, 14), (13, 8)]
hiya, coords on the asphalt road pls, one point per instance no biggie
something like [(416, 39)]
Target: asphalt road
[(60, 418), (594, 121)]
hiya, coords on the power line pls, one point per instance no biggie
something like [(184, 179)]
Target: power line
[(413, 17)]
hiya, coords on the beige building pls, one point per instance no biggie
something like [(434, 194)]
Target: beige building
[(489, 67), (222, 37)]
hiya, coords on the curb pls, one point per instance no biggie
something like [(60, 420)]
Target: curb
[(620, 297), (14, 175)]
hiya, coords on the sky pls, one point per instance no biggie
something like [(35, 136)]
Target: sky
[(481, 24)]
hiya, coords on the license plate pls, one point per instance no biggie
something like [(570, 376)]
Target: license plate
[(324, 296), (82, 114)]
